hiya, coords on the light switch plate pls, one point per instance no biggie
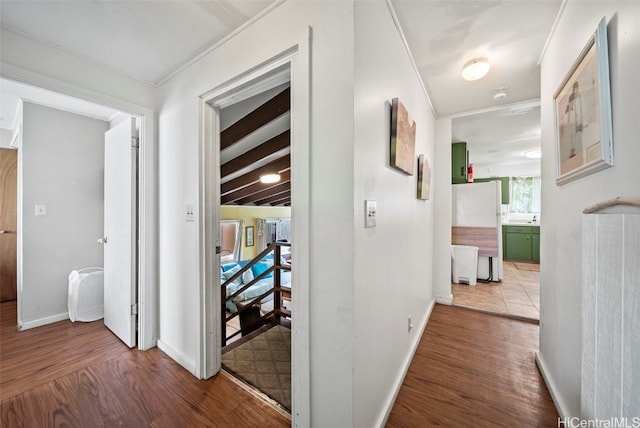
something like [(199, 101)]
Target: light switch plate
[(41, 209), (370, 208)]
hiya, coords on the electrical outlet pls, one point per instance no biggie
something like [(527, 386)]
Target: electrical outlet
[(190, 216), (409, 324), (370, 208)]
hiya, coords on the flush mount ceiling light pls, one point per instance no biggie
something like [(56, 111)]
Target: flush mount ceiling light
[(269, 178), (533, 154), (475, 69)]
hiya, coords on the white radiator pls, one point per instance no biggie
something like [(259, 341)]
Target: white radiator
[(610, 386)]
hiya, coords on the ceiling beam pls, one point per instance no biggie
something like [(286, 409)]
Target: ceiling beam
[(265, 149), (266, 194), (253, 188), (275, 199), (278, 165), (259, 117), (284, 202)]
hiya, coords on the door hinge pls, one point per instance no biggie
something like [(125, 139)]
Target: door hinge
[(134, 309), (135, 142)]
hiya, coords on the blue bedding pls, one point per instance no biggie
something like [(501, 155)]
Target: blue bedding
[(260, 287)]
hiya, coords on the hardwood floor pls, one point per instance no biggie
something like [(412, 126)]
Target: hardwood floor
[(81, 375), (474, 369)]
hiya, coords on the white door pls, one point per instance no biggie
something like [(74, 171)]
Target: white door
[(120, 203)]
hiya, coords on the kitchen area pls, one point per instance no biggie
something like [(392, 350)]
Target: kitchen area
[(495, 180)]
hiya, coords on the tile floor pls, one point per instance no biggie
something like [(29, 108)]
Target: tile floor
[(518, 294)]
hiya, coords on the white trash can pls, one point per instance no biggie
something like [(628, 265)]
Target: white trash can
[(86, 294), (464, 264)]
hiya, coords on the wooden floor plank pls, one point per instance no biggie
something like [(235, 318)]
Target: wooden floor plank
[(81, 375), (473, 369)]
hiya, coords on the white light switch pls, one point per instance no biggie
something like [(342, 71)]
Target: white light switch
[(370, 208), (41, 209), (189, 213)]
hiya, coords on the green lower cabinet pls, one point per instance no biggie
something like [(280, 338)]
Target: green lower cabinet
[(535, 242), (521, 243)]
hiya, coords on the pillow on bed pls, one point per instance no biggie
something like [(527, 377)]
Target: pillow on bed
[(228, 274), (247, 276), (260, 267)]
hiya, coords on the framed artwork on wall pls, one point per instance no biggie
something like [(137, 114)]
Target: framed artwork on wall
[(582, 104), (424, 177), (403, 138), (249, 232)]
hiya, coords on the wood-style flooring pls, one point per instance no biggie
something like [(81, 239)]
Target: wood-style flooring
[(81, 375), (473, 369)]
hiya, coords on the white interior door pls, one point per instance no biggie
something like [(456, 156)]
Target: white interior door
[(120, 196)]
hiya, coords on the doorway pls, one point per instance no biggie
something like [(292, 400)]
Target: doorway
[(294, 62), (501, 144), (8, 223), (66, 105)]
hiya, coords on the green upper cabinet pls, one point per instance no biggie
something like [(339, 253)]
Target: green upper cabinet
[(504, 182), (459, 163)]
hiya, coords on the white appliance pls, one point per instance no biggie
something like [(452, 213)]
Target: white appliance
[(478, 205)]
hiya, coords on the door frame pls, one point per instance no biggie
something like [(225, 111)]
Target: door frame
[(297, 59), (147, 182)]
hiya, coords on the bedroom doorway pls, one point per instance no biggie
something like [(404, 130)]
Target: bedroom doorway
[(51, 113)]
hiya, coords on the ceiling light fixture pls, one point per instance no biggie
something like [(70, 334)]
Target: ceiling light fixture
[(269, 178), (475, 69), (533, 154)]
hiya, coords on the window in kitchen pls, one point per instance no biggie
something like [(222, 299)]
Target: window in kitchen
[(525, 195)]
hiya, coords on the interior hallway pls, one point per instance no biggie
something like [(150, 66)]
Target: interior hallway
[(470, 369), (473, 369)]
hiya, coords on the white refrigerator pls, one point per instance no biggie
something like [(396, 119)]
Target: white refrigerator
[(479, 205)]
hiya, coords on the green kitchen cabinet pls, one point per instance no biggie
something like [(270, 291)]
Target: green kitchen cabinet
[(504, 183), (459, 163), (535, 242), (521, 243)]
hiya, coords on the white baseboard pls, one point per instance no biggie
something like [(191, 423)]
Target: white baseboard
[(178, 357), (43, 321), (445, 300), (551, 386), (382, 420)]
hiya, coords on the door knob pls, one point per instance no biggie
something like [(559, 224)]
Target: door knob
[(102, 240), (2, 232)]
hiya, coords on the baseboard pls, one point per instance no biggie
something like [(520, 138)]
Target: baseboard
[(178, 357), (382, 420), (43, 321), (551, 386), (446, 300)]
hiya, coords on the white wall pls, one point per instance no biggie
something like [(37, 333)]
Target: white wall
[(6, 135), (442, 211), (561, 236), (393, 263), (331, 193), (61, 164)]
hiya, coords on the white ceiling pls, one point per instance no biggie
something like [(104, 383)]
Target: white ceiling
[(152, 40)]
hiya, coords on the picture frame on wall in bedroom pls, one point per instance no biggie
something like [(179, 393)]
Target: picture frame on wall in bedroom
[(249, 236), (403, 139), (582, 105)]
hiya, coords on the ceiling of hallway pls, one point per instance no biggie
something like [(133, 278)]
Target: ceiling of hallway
[(151, 41)]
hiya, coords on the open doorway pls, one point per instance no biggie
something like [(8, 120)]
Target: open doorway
[(255, 198), (60, 142), (500, 146)]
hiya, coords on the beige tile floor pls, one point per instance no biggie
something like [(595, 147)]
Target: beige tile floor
[(518, 294)]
